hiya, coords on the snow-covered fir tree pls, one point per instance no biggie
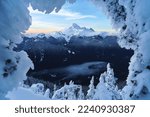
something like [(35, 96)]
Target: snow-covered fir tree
[(106, 88), (71, 91), (134, 31), (67, 92), (91, 91), (101, 92), (110, 79), (47, 93), (80, 95), (55, 88)]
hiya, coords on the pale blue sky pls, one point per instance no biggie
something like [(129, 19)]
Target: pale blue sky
[(83, 12)]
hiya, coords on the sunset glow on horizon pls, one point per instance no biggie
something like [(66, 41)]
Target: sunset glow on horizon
[(85, 15)]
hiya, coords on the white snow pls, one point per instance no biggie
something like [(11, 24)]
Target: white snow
[(130, 17), (25, 94)]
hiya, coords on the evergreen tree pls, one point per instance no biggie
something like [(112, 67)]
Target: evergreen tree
[(71, 91), (106, 88), (80, 94), (47, 93), (91, 91), (67, 92), (55, 88), (110, 79)]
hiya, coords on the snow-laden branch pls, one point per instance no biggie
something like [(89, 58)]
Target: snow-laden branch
[(14, 20), (132, 19)]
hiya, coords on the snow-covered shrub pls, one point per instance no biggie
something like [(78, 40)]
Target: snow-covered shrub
[(67, 92), (38, 88), (107, 88)]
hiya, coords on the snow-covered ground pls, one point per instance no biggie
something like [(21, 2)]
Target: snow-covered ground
[(22, 93)]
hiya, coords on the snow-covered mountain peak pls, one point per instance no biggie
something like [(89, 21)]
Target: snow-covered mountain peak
[(76, 26), (75, 29)]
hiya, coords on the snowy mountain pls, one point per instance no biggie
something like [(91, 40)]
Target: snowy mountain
[(74, 30)]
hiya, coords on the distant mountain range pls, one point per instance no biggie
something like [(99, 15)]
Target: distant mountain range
[(74, 30), (74, 46)]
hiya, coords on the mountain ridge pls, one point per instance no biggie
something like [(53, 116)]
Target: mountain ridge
[(73, 30)]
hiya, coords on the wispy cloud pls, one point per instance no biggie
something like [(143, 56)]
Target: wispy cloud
[(70, 15), (67, 14)]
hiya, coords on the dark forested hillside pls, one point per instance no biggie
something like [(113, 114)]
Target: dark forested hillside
[(52, 56)]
